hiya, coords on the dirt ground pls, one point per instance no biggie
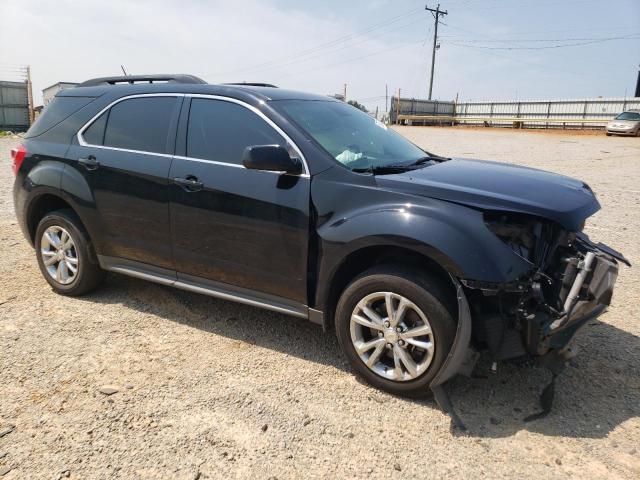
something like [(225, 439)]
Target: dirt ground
[(211, 389)]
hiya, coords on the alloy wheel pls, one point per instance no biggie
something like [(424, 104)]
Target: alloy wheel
[(392, 336), (59, 255)]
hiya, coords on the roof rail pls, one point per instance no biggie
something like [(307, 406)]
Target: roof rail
[(251, 84), (131, 79)]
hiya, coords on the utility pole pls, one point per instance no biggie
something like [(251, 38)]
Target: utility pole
[(30, 110), (436, 15), (386, 98)]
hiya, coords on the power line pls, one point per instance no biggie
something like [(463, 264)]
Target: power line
[(522, 40), (329, 52), (546, 47), (354, 59), (328, 44)]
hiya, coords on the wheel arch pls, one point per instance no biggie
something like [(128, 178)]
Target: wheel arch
[(361, 259), (43, 204)]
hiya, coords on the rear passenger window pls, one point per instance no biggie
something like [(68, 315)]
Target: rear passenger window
[(136, 124), (220, 131)]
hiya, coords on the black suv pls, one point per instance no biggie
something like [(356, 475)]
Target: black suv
[(307, 206)]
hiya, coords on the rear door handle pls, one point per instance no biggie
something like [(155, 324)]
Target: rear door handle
[(189, 183), (90, 162)]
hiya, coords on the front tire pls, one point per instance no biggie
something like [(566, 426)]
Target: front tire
[(396, 328), (65, 254)]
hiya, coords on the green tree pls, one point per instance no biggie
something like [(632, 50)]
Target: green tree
[(356, 104)]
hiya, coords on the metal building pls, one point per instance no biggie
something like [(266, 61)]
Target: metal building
[(418, 107), (51, 91), (14, 106)]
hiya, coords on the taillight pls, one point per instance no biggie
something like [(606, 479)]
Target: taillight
[(17, 154)]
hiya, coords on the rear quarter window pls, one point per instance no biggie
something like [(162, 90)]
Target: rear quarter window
[(94, 135), (57, 111)]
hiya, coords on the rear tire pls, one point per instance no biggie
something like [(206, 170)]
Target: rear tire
[(403, 356), (65, 254)]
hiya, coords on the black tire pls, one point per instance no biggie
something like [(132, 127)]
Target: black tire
[(89, 274), (427, 293), (608, 134)]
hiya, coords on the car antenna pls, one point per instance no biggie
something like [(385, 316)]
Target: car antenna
[(124, 71)]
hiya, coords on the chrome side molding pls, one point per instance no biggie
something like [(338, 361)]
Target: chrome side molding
[(224, 292)]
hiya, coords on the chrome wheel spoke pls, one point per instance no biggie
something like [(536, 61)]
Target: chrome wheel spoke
[(365, 322), (49, 257), (375, 356), (366, 346), (71, 267), (416, 332), (373, 316), (62, 274), (423, 345), (402, 308), (391, 311), (52, 239), (406, 360), (72, 260), (399, 374)]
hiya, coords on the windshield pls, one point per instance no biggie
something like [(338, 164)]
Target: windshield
[(352, 137), (628, 116)]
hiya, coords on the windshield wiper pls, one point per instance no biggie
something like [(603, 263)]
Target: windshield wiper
[(429, 158), (382, 169), (399, 168)]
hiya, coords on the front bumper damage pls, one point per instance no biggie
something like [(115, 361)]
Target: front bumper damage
[(532, 325), (588, 282)]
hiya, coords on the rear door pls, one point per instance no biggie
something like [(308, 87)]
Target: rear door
[(240, 227), (125, 155)]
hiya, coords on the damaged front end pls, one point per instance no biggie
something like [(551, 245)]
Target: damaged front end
[(570, 282)]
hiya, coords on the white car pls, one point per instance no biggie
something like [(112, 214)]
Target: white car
[(627, 123)]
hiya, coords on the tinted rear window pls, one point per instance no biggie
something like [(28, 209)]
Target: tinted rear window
[(140, 124), (59, 109)]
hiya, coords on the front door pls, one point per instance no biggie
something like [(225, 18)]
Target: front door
[(239, 227), (125, 156)]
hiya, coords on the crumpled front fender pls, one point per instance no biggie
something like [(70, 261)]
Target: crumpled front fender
[(461, 357)]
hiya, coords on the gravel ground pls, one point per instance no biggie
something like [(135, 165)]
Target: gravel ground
[(207, 388)]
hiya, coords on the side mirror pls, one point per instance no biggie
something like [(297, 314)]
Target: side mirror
[(271, 158)]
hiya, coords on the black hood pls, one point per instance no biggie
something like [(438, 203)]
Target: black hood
[(499, 186)]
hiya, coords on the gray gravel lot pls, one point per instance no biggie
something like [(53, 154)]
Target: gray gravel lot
[(207, 388)]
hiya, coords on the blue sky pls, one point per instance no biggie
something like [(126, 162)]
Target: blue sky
[(490, 49)]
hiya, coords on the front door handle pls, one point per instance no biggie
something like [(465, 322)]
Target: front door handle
[(189, 183), (90, 162)]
